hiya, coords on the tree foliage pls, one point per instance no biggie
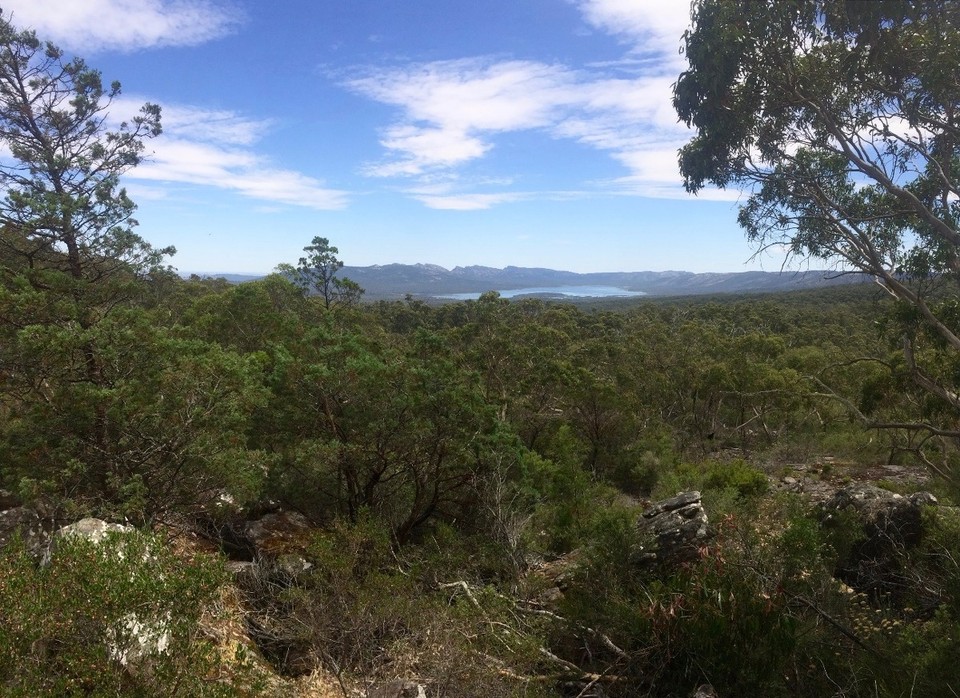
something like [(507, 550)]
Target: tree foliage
[(64, 208), (317, 273), (841, 121)]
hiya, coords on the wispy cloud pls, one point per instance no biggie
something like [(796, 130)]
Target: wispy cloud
[(451, 113), (648, 26), (449, 107), (422, 148), (454, 193), (212, 125), (126, 25), (468, 202), (216, 148)]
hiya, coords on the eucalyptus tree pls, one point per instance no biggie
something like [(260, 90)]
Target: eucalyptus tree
[(841, 120), (316, 272)]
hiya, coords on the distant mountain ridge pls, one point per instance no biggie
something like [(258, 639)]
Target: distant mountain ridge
[(397, 280), (388, 281)]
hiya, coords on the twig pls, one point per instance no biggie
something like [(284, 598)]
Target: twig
[(466, 590)]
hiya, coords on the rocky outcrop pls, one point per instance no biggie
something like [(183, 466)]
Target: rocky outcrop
[(671, 531), (278, 542), (886, 518), (19, 520), (8, 500), (886, 524), (93, 530), (280, 539)]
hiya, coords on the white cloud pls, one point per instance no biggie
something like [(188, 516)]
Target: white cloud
[(424, 148), (448, 106), (215, 148), (651, 26), (446, 193), (125, 25), (468, 202), (451, 112), (496, 96), (213, 125)]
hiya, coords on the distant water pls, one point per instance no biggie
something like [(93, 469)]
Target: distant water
[(562, 291)]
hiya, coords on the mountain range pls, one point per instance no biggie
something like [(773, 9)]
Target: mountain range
[(396, 280), (388, 281)]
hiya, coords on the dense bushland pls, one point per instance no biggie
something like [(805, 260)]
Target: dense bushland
[(445, 454), (471, 473)]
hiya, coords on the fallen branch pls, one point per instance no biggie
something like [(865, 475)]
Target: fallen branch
[(604, 639), (466, 590)]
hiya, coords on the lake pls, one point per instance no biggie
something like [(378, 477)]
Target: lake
[(562, 291)]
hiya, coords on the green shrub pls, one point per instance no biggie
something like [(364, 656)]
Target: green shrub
[(743, 479), (738, 475), (563, 499), (714, 621), (370, 609), (67, 627)]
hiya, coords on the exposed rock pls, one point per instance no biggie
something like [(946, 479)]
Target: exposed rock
[(93, 530), (791, 484), (704, 691), (278, 541), (241, 568), (556, 575), (671, 531), (923, 499), (398, 689), (138, 637), (279, 533), (27, 522), (886, 517), (889, 524)]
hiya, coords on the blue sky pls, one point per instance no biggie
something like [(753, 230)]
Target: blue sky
[(523, 132)]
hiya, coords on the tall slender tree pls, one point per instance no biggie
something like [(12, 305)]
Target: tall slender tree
[(317, 272)]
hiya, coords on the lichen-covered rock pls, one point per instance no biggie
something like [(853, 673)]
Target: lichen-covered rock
[(278, 542), (886, 517), (25, 522), (93, 530), (279, 533), (8, 500), (671, 531), (138, 636)]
